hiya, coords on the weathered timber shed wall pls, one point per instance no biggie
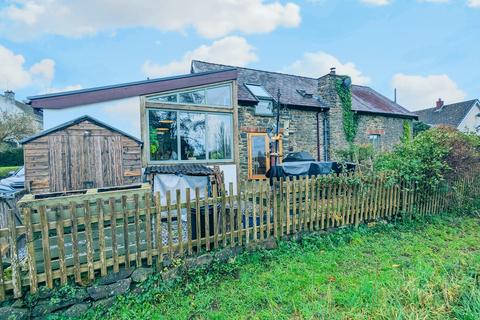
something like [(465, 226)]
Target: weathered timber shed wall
[(82, 153)]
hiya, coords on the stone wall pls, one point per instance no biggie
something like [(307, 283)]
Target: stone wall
[(390, 130), (298, 128)]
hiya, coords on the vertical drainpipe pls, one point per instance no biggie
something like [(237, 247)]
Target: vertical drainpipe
[(318, 136), (326, 138)]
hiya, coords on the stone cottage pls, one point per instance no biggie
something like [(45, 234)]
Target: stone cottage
[(311, 115), (223, 115)]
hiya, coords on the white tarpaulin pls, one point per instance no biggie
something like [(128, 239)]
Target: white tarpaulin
[(164, 182)]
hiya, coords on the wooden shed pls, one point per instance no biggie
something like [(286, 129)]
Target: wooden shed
[(79, 154)]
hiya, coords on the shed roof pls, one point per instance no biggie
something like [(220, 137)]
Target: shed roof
[(188, 169), (293, 89), (124, 90), (449, 114), (77, 121)]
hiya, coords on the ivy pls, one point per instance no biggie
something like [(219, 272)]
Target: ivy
[(350, 119), (407, 131)]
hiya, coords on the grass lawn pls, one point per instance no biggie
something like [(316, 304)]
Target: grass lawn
[(5, 170), (417, 270)]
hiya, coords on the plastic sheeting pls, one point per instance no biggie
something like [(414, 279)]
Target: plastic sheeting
[(164, 182)]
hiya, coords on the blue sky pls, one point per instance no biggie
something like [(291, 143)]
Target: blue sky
[(427, 49)]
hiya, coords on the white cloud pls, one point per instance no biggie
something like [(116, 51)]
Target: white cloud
[(229, 50), (377, 2), (317, 64), (473, 3), (418, 92), (15, 75), (63, 89), (210, 18)]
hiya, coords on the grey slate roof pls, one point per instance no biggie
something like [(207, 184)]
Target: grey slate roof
[(271, 81), (189, 169), (449, 114), (364, 99)]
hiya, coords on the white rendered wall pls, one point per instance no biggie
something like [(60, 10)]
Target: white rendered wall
[(471, 120)]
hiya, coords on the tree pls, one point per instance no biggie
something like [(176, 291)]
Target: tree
[(15, 126)]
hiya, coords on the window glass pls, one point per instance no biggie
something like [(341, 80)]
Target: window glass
[(192, 136), (374, 139), (172, 98), (219, 96), (258, 91), (264, 108), (193, 97), (219, 137), (259, 155), (163, 135)]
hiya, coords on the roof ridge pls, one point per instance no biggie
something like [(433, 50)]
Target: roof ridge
[(253, 69)]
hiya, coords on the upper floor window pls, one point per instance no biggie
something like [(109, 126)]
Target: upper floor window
[(264, 106), (218, 96)]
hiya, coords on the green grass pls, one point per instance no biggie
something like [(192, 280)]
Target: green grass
[(5, 170), (416, 270)]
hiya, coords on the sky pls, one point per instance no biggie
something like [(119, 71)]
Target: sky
[(427, 49)]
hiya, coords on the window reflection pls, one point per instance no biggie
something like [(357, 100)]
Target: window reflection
[(163, 135), (219, 137), (192, 136)]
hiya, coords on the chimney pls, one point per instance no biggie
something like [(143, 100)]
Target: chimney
[(333, 71), (439, 103), (9, 95)]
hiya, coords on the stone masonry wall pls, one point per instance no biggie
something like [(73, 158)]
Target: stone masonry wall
[(298, 127), (390, 130)]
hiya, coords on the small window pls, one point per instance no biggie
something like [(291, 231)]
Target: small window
[(171, 98), (264, 108), (258, 91), (193, 97), (374, 139), (259, 155)]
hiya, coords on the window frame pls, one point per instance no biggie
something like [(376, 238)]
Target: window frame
[(378, 145), (250, 135), (193, 89), (179, 160)]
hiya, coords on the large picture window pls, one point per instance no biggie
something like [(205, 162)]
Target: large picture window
[(189, 136)]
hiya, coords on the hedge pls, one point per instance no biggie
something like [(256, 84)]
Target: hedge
[(11, 157)]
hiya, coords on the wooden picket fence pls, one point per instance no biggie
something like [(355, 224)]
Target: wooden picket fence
[(86, 238)]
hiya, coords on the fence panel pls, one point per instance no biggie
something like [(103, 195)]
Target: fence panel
[(87, 237)]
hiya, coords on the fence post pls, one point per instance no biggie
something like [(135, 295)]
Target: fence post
[(32, 266), (16, 281)]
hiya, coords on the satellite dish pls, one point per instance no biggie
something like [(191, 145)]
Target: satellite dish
[(347, 82)]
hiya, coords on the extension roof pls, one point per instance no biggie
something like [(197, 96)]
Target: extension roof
[(124, 90), (77, 121), (302, 91), (450, 114)]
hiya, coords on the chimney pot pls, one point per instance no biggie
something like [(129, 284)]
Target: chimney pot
[(333, 70), (439, 103), (10, 95)]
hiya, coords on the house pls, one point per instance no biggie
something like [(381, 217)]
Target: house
[(311, 117), (223, 115), (464, 116), (10, 104)]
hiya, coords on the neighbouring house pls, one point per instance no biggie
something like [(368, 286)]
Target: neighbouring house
[(464, 116), (221, 115), (311, 117), (79, 154), (10, 104)]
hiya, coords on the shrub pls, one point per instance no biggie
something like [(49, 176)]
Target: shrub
[(435, 155), (11, 157), (362, 154)]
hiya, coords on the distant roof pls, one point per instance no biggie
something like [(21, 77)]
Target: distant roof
[(77, 121), (449, 114), (271, 81), (302, 91), (130, 89), (365, 99)]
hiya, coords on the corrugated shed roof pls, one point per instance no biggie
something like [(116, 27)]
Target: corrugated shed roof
[(188, 169), (365, 99), (449, 114), (271, 81)]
